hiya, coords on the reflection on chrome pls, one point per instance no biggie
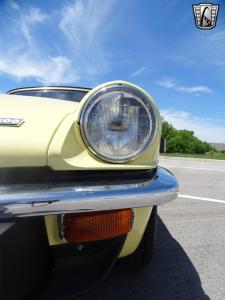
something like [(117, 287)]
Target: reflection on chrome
[(40, 199)]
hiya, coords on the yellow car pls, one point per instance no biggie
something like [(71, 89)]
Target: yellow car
[(79, 186)]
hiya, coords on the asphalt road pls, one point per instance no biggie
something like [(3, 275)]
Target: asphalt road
[(189, 259)]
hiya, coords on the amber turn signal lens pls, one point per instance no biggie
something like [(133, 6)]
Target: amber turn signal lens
[(94, 226)]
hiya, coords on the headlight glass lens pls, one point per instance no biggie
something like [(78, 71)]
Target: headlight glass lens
[(118, 123)]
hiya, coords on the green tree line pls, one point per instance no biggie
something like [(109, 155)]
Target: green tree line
[(183, 141)]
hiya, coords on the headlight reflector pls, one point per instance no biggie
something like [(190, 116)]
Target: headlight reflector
[(118, 123)]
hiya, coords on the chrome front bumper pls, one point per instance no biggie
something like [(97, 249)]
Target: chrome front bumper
[(40, 199)]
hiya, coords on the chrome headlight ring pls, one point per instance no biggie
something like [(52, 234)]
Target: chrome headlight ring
[(118, 123)]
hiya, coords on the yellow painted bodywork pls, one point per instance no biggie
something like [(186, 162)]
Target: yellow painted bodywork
[(50, 136), (28, 145)]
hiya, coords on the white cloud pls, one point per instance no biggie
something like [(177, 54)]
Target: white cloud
[(170, 84), (27, 20), (138, 72), (182, 59), (85, 24), (166, 83), (195, 89), (82, 27), (210, 61), (50, 70), (14, 5), (35, 15), (25, 57), (206, 129)]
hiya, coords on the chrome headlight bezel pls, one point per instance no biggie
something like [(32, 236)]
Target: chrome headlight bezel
[(145, 101)]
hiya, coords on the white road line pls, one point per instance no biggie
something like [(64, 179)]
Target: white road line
[(171, 158), (193, 168), (201, 198)]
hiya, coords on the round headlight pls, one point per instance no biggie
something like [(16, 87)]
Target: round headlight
[(118, 123)]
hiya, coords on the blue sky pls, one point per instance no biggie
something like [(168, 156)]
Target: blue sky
[(154, 44)]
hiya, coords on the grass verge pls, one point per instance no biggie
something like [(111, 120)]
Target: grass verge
[(215, 155)]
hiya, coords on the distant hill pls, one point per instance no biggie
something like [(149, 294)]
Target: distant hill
[(218, 146)]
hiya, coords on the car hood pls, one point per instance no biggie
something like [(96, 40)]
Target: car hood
[(27, 145)]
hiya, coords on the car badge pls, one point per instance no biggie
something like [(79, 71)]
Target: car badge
[(15, 122), (205, 15)]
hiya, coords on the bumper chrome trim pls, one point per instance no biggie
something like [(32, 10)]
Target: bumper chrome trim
[(41, 199)]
